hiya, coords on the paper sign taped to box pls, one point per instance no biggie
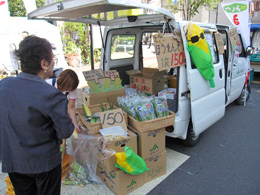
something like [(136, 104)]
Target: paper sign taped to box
[(169, 51)]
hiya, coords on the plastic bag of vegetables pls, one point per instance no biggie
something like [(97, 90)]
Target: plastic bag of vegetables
[(160, 106), (125, 102), (144, 108)]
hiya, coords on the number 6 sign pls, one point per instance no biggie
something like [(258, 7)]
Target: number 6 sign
[(112, 118)]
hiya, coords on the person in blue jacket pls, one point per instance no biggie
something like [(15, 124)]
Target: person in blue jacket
[(33, 122)]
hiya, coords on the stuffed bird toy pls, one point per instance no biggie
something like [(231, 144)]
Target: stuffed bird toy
[(200, 52)]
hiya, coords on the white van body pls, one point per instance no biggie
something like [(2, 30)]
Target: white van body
[(196, 106)]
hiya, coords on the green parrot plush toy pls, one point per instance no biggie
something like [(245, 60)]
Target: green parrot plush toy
[(200, 52)]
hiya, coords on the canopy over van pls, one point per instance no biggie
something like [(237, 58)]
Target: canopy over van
[(105, 12)]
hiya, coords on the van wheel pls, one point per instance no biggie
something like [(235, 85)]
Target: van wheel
[(191, 140), (244, 95)]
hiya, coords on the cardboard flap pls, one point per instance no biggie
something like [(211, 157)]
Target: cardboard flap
[(152, 72), (133, 72)]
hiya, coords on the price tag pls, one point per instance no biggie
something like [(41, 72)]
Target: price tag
[(112, 118)]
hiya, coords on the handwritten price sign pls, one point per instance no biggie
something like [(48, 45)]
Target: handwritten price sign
[(235, 41), (113, 118), (93, 75), (169, 51), (219, 42)]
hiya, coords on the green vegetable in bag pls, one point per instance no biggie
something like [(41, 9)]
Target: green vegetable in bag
[(129, 162), (160, 107), (145, 111)]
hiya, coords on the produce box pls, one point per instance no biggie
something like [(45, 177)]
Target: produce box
[(117, 146), (172, 81), (150, 143), (93, 128), (66, 161), (157, 166), (150, 81), (102, 85), (118, 181), (154, 124), (96, 98)]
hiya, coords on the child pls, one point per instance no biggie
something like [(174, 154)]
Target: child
[(67, 82)]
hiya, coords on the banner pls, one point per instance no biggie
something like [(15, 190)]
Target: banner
[(30, 5), (4, 11), (238, 14)]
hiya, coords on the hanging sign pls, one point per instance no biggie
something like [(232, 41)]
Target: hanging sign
[(235, 42), (219, 42), (169, 51)]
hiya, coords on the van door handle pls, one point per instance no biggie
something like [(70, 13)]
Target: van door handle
[(220, 73)]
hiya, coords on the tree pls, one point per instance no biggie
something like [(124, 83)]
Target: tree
[(17, 8), (190, 8)]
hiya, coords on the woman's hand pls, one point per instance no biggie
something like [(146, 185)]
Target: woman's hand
[(77, 128)]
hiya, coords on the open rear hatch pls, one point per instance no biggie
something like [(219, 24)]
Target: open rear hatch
[(105, 12)]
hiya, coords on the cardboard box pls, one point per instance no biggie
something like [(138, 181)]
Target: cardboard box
[(150, 81), (119, 182), (97, 98), (172, 81), (117, 146), (157, 166), (150, 143)]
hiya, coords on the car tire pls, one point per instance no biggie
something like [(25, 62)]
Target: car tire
[(244, 94), (191, 140)]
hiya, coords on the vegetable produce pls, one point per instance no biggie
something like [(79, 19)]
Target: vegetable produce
[(142, 107), (160, 107), (86, 109), (145, 111)]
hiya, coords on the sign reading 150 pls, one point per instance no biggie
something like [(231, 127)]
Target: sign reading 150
[(112, 118), (176, 59)]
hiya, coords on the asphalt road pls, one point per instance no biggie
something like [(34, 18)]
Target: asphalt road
[(227, 159)]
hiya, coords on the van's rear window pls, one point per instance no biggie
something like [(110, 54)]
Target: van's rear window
[(122, 46)]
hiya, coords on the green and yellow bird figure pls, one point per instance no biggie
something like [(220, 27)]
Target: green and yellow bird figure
[(200, 52)]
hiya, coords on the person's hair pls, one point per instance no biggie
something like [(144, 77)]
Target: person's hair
[(67, 80), (32, 50), (25, 32)]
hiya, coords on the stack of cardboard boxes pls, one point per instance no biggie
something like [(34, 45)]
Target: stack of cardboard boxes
[(151, 147), (146, 139)]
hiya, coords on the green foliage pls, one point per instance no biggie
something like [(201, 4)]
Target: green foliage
[(75, 38), (17, 8), (190, 8)]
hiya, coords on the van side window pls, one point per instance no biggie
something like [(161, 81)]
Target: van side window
[(122, 46), (242, 53), (226, 46), (213, 47), (148, 50)]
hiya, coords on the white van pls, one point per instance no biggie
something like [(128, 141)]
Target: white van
[(197, 106)]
